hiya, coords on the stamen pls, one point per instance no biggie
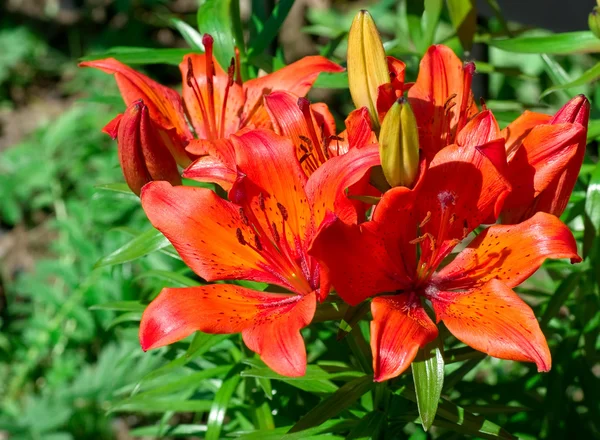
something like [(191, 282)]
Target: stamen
[(244, 217), (483, 104), (469, 71), (230, 73), (418, 239), (449, 101), (275, 232), (208, 42), (240, 236), (261, 201), (283, 211), (193, 84), (304, 105), (425, 220), (238, 70), (257, 242)]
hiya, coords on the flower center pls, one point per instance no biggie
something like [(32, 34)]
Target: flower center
[(284, 253)]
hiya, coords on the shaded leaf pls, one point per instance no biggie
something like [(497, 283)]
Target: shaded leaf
[(271, 27), (592, 201), (221, 402), (141, 55), (144, 244), (189, 34), (565, 43), (463, 15)]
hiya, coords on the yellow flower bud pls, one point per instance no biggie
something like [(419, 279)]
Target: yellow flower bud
[(399, 145), (367, 64), (594, 21)]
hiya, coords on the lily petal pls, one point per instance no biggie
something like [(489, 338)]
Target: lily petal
[(270, 167), (441, 75), (296, 78), (480, 130), (216, 164), (356, 260), (517, 130), (542, 158), (203, 228), (494, 320), (400, 326), (164, 104), (460, 190), (275, 334), (509, 253), (358, 133), (224, 309), (303, 129), (326, 186)]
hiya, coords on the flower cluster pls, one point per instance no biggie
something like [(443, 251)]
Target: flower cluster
[(373, 213)]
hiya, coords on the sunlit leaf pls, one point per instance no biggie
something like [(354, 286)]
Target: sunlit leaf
[(592, 201), (141, 55), (221, 402), (214, 18), (587, 77), (428, 376), (189, 34), (143, 244), (565, 43), (463, 15)]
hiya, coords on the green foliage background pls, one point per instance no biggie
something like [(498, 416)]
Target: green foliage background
[(70, 362)]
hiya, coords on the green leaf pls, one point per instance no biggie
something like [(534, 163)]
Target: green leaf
[(565, 288), (429, 22), (221, 402), (587, 77), (214, 18), (141, 55), (271, 28), (201, 343), (368, 427), (334, 404), (565, 43), (119, 187), (189, 34), (558, 75), (144, 244), (120, 306), (332, 81), (173, 279), (162, 405), (463, 15), (592, 201), (191, 381), (330, 426), (161, 431), (428, 375)]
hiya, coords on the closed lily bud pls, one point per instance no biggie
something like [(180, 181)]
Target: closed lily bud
[(367, 64), (399, 145), (594, 21), (143, 154)]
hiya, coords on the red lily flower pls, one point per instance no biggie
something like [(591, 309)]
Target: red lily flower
[(216, 105), (441, 98), (262, 234), (413, 231), (544, 159)]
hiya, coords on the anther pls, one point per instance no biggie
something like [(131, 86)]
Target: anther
[(243, 217), (240, 236), (425, 220), (275, 232), (450, 102), (418, 239), (452, 218), (307, 140), (283, 211), (190, 72), (261, 201), (257, 242)]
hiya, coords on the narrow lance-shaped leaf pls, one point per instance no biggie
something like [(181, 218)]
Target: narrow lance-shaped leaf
[(189, 34), (592, 201), (565, 43), (221, 402), (428, 375), (271, 28), (587, 77), (463, 15), (144, 244), (214, 18), (336, 403)]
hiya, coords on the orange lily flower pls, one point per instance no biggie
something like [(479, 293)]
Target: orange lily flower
[(441, 98), (544, 170), (398, 254), (216, 104), (262, 234)]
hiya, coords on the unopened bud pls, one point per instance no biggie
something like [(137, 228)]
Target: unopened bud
[(399, 145), (594, 21), (367, 64), (576, 110), (143, 154)]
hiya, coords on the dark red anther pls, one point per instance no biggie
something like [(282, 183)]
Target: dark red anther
[(283, 211), (240, 236), (190, 72), (275, 232), (257, 242), (261, 201), (243, 217), (231, 72)]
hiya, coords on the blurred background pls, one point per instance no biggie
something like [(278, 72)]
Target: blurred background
[(68, 364)]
